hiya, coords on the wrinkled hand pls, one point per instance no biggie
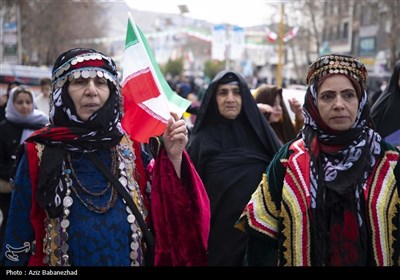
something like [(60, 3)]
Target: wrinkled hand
[(296, 108), (175, 137)]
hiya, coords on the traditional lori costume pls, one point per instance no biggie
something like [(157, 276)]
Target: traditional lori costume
[(329, 197)]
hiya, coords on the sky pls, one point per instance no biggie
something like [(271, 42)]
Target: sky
[(236, 12)]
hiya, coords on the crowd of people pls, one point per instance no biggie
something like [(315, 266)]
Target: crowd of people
[(243, 185)]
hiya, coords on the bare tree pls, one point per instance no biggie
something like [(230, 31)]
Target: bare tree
[(313, 10), (308, 40), (393, 36), (51, 27)]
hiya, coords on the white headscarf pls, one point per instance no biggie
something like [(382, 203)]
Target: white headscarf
[(30, 122)]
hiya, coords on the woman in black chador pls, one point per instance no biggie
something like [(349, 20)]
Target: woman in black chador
[(231, 145)]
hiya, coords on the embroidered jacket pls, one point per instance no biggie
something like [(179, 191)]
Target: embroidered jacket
[(279, 211)]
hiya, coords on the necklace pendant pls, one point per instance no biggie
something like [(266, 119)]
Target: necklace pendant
[(126, 153), (67, 201), (123, 181)]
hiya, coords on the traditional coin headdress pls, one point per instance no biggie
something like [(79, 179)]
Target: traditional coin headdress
[(337, 64)]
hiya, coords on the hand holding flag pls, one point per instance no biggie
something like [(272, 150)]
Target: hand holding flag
[(175, 136), (148, 99)]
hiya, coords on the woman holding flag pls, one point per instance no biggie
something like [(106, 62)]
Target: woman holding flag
[(81, 193)]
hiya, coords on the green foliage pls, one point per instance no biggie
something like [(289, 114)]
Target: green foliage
[(212, 67), (173, 67)]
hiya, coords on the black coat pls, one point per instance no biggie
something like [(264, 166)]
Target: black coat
[(10, 136), (385, 111)]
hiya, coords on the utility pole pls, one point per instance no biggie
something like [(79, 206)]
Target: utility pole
[(19, 23), (228, 48), (183, 9), (280, 47)]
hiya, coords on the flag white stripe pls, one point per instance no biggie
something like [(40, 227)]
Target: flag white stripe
[(152, 107), (135, 60)]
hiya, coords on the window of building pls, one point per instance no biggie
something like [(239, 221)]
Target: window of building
[(367, 46), (383, 19), (374, 15), (345, 30), (365, 15), (331, 32), (356, 9), (335, 9), (338, 32)]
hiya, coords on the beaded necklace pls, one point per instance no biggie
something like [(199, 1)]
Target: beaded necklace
[(79, 188), (78, 182)]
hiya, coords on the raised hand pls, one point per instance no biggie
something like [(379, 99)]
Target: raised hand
[(175, 139), (296, 108)]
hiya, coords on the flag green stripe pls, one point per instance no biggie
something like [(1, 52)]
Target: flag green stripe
[(131, 38)]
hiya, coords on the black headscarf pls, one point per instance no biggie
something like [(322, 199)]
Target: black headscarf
[(208, 112), (66, 130), (385, 111)]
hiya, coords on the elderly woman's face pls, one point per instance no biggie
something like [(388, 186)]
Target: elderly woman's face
[(337, 102), (229, 101), (88, 95)]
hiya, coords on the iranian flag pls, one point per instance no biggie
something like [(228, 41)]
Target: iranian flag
[(148, 99)]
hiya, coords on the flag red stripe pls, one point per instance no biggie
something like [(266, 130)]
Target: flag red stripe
[(140, 86), (139, 124), (136, 121)]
